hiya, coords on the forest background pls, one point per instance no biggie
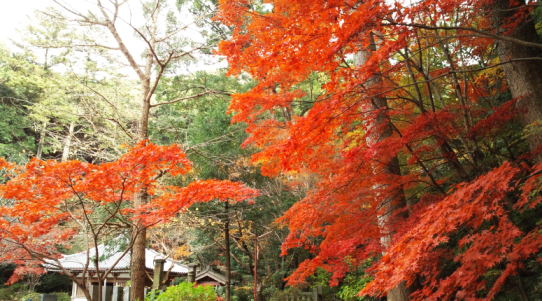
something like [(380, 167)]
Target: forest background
[(395, 147)]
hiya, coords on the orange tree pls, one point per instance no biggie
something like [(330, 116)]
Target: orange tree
[(47, 203), (421, 118)]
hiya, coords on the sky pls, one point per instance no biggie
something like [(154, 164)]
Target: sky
[(16, 13)]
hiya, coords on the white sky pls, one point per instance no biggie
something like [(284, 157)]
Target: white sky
[(15, 14)]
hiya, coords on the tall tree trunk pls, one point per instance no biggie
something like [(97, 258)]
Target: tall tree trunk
[(524, 78), (67, 143), (227, 251), (381, 129), (42, 140), (255, 263), (138, 250), (138, 271)]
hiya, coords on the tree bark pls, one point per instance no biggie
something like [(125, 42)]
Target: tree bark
[(381, 129), (67, 143), (41, 141), (227, 252), (255, 264), (138, 252), (138, 275), (524, 78)]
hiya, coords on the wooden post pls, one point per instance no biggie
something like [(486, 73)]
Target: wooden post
[(93, 290), (115, 275)]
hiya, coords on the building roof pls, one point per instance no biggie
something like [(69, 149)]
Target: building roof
[(213, 274), (108, 258)]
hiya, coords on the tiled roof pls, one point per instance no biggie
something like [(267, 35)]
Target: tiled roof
[(108, 258), (210, 272)]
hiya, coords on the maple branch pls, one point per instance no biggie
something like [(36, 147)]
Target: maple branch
[(132, 241), (480, 32), (427, 172)]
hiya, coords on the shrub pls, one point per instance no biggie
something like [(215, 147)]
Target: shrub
[(54, 282), (37, 296), (61, 296), (243, 293), (33, 296), (187, 292), (288, 294)]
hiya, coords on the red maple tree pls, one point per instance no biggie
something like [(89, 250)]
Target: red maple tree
[(412, 127), (48, 203)]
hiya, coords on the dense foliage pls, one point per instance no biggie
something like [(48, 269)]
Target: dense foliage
[(188, 292), (419, 141), (384, 148)]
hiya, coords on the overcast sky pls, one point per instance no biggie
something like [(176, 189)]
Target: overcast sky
[(15, 14)]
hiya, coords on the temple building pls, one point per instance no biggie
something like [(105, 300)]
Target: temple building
[(120, 274), (210, 276)]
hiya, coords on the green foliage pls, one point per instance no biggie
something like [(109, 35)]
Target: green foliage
[(54, 282), (13, 292), (6, 270), (62, 296), (286, 294), (243, 293), (186, 292), (354, 282), (34, 296)]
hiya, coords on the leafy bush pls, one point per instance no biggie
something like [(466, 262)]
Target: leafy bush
[(287, 294), (54, 282), (13, 292), (187, 292), (243, 293), (33, 296), (62, 296), (352, 284)]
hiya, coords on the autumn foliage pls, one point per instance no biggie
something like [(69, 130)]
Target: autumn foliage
[(50, 202), (448, 123)]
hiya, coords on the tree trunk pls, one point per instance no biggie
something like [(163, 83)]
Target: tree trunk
[(255, 263), (100, 290), (138, 271), (524, 78), (67, 143), (227, 252), (382, 129), (138, 250), (42, 140)]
